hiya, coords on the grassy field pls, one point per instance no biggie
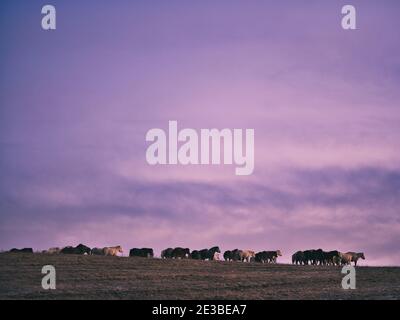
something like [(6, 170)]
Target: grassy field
[(97, 277)]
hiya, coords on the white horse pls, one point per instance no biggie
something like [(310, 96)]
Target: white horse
[(54, 250), (246, 255), (216, 256), (112, 251)]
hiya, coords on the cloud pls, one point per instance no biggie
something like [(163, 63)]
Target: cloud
[(333, 208)]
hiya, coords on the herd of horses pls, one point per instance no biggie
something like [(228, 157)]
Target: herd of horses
[(320, 257), (307, 257)]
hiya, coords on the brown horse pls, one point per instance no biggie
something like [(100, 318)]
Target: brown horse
[(355, 256), (112, 251)]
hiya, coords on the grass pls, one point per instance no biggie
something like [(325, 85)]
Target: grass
[(100, 277)]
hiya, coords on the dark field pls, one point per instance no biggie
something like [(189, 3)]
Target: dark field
[(97, 277)]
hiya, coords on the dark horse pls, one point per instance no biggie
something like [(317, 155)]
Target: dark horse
[(209, 253), (79, 249)]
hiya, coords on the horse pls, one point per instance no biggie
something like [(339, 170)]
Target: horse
[(112, 251), (355, 256), (166, 253), (246, 255), (98, 251)]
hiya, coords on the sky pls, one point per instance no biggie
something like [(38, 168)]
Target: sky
[(76, 104)]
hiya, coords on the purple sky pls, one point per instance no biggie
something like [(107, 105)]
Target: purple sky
[(76, 103)]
